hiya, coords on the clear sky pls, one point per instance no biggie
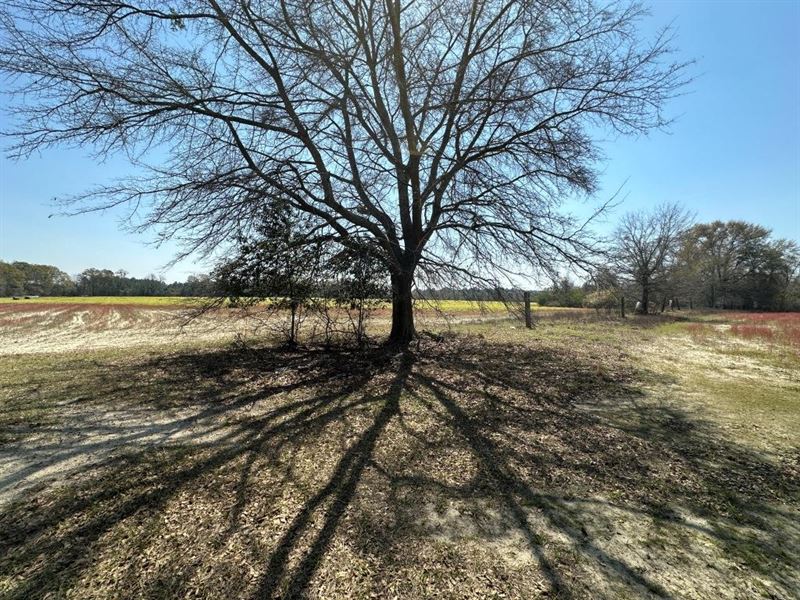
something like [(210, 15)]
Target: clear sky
[(733, 153)]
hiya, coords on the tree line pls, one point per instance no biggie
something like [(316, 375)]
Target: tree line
[(655, 260), (26, 279), (661, 257)]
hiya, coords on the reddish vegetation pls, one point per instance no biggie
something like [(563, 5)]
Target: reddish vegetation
[(750, 332), (699, 330), (771, 327)]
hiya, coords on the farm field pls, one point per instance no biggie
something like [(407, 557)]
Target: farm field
[(424, 305), (144, 456), (75, 323), (442, 305), (113, 300)]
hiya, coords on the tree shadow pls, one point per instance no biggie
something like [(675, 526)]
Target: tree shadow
[(498, 467)]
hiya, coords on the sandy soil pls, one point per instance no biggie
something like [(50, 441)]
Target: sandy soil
[(82, 439), (67, 328), (31, 328), (535, 452), (58, 454)]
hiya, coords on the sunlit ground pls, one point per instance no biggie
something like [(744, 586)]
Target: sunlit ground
[(589, 457)]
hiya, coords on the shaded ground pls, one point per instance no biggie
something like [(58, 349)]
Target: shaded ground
[(498, 466)]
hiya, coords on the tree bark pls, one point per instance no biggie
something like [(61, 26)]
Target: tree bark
[(645, 299), (402, 309), (293, 326)]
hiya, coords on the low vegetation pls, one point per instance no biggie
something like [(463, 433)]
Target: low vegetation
[(589, 457), (137, 300), (779, 331)]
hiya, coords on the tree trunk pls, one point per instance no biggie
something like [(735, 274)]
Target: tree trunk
[(293, 326), (402, 309), (645, 299)]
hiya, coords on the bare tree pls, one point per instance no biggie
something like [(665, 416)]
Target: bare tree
[(646, 244), (449, 131)]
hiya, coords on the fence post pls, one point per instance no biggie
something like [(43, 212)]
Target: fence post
[(528, 320), (622, 306)]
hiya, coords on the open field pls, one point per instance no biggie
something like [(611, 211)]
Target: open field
[(113, 300), (69, 324), (442, 305), (590, 457), (424, 305)]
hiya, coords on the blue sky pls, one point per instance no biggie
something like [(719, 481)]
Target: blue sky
[(733, 153)]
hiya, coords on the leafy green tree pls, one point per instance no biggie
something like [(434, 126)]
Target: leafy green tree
[(12, 280), (22, 278), (736, 264)]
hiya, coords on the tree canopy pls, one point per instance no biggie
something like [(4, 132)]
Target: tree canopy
[(447, 131)]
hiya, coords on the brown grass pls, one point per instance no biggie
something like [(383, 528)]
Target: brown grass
[(522, 466)]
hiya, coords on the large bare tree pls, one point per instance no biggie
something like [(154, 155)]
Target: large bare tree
[(447, 132), (647, 244)]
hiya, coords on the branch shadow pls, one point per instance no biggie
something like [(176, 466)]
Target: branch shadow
[(503, 468)]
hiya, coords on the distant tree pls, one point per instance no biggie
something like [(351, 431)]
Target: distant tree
[(646, 245), (12, 280), (722, 252), (791, 296), (736, 264), (97, 282), (447, 133), (197, 285), (22, 278), (563, 292), (770, 276)]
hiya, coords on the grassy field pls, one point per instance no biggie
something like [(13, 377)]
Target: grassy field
[(590, 457), (450, 306)]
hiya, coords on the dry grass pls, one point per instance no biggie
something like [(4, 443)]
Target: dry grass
[(571, 462), (34, 327), (103, 300)]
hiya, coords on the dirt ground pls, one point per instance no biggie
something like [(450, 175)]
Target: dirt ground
[(584, 459), (36, 328)]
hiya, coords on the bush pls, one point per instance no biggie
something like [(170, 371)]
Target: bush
[(601, 299)]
